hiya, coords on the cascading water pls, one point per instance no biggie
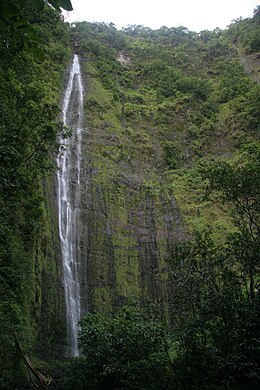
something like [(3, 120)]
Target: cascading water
[(69, 186)]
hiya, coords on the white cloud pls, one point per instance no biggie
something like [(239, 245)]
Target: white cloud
[(195, 14)]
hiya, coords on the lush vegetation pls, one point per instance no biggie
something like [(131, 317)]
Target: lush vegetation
[(129, 350), (183, 100), (29, 105), (211, 338), (178, 111), (176, 97)]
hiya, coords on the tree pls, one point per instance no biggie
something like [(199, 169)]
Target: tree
[(128, 350), (215, 307), (15, 22), (214, 321), (237, 185)]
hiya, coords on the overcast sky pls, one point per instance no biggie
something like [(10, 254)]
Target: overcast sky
[(196, 15)]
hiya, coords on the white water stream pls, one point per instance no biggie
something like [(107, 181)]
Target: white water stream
[(68, 189)]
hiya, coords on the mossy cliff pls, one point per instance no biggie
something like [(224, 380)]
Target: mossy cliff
[(159, 106)]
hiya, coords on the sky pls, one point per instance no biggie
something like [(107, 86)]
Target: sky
[(196, 15)]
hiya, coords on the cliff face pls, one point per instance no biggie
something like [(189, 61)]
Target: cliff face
[(158, 106), (47, 302), (130, 220)]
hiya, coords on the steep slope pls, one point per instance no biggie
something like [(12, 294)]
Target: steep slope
[(159, 105)]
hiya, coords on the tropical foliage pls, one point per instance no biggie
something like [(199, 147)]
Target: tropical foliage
[(188, 104), (211, 339), (29, 124)]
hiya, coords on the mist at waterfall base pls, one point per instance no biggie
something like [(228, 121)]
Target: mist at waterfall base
[(68, 194)]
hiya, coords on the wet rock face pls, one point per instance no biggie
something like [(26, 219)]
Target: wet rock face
[(51, 324), (127, 215), (126, 239), (127, 225)]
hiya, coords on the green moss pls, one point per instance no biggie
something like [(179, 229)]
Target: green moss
[(102, 300), (197, 211), (151, 124)]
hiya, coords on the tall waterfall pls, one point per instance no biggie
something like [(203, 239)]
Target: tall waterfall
[(68, 189)]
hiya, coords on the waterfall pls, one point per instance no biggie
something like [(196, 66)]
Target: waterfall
[(68, 193)]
